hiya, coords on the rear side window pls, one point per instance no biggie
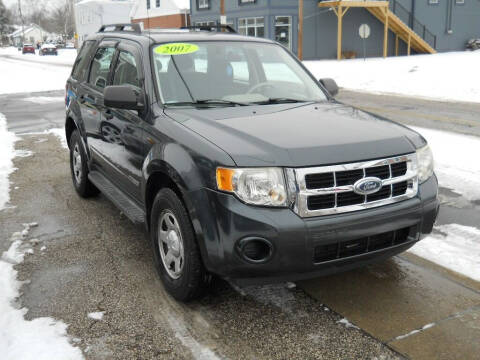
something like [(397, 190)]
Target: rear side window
[(101, 67), (126, 70), (81, 64)]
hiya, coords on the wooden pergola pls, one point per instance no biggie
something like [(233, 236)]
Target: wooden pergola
[(341, 7)]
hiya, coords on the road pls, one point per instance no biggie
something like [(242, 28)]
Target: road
[(96, 260)]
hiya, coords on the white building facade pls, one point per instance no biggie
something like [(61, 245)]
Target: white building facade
[(161, 13), (31, 34), (90, 15)]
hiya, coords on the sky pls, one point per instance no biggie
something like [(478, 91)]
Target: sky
[(8, 3)]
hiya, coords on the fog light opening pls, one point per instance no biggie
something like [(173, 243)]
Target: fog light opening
[(255, 250)]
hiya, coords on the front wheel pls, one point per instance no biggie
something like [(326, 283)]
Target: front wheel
[(177, 256)]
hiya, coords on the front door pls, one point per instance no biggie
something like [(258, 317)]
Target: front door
[(93, 103), (122, 130)]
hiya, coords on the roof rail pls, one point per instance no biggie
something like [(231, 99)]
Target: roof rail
[(122, 27), (228, 28)]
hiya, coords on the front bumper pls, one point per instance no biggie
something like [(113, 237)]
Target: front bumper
[(294, 239)]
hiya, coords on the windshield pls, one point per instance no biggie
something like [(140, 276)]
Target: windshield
[(231, 73)]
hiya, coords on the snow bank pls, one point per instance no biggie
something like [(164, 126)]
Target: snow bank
[(445, 76), (7, 152), (37, 339), (20, 76), (65, 56), (456, 161), (453, 246)]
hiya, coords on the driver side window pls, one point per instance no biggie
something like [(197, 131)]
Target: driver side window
[(101, 67), (126, 70)]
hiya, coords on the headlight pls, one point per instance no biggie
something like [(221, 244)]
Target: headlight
[(256, 186), (425, 163)]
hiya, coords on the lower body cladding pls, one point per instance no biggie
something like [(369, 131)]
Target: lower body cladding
[(256, 245)]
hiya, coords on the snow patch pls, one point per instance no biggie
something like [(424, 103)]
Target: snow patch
[(96, 315), (456, 161), (19, 76), (60, 133), (347, 323), (45, 99), (23, 153), (453, 246), (7, 152), (407, 75), (38, 339), (416, 331)]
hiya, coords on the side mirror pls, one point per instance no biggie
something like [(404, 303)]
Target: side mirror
[(123, 97), (330, 85)]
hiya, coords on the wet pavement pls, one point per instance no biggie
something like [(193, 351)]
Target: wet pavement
[(96, 260)]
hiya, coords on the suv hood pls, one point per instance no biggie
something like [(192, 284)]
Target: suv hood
[(294, 135)]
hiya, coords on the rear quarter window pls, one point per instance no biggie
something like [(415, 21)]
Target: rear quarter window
[(83, 60)]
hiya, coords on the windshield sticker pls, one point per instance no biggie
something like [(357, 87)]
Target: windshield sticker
[(176, 49)]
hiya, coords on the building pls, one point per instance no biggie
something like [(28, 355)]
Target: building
[(161, 13), (90, 15), (32, 34), (397, 27)]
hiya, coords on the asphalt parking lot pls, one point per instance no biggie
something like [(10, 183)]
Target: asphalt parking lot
[(94, 259)]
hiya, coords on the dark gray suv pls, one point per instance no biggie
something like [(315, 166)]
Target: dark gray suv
[(238, 161)]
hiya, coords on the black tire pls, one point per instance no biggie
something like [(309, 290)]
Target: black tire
[(193, 280), (82, 185)]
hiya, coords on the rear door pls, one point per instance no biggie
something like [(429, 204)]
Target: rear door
[(121, 129)]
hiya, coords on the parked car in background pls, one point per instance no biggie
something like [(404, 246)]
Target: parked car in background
[(48, 49), (473, 44), (70, 45), (28, 49)]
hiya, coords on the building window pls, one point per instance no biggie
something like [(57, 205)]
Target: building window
[(243, 2), (206, 23), (283, 30), (203, 4), (148, 4), (252, 26), (157, 3)]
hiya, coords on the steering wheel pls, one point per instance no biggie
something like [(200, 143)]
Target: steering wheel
[(258, 86)]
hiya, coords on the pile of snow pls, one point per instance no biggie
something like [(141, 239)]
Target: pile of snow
[(41, 338), (7, 152), (457, 163), (453, 246), (446, 76)]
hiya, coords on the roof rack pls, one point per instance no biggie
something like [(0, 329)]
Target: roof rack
[(122, 27), (228, 28)]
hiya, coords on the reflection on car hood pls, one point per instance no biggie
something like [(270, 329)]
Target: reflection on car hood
[(298, 135)]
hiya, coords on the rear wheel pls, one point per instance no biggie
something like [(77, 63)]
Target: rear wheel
[(79, 167), (177, 256)]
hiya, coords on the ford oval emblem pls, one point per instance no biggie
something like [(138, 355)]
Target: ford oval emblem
[(367, 186)]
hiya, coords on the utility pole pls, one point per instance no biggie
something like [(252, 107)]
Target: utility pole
[(223, 18), (21, 19), (300, 29)]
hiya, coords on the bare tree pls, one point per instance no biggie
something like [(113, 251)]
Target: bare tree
[(5, 23)]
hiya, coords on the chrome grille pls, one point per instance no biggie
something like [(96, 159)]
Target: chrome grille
[(329, 190)]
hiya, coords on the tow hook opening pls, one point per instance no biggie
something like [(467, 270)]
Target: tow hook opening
[(255, 249)]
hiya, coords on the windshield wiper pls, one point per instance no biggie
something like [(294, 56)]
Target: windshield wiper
[(207, 102), (280, 101)]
